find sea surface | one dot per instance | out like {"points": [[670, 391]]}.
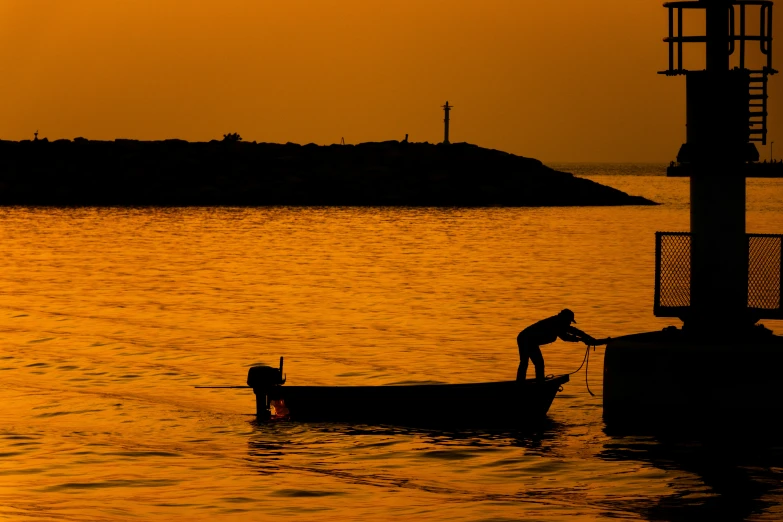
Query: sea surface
{"points": [[109, 317]]}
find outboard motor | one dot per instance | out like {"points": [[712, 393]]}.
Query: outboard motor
{"points": [[264, 379]]}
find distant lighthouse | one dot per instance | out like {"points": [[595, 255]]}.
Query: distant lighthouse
{"points": [[446, 109]]}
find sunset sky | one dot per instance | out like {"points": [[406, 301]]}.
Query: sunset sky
{"points": [[569, 80]]}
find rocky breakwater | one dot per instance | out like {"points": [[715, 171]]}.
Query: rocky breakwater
{"points": [[180, 173]]}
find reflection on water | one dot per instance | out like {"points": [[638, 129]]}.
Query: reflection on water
{"points": [[721, 479], [417, 463], [718, 479], [109, 317]]}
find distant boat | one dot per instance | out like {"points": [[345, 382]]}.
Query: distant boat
{"points": [[485, 404]]}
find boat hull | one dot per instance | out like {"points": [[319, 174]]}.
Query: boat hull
{"points": [[506, 403]]}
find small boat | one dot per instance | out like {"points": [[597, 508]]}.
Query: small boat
{"points": [[485, 404]]}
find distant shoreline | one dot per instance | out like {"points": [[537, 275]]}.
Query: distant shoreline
{"points": [[224, 173], [590, 169]]}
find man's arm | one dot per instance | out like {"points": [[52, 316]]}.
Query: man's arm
{"points": [[574, 335]]}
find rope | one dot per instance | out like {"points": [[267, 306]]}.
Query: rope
{"points": [[587, 366], [586, 361]]}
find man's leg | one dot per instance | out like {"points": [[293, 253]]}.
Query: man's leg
{"points": [[522, 370], [534, 353], [523, 357]]}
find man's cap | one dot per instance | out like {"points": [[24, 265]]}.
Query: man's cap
{"points": [[568, 314]]}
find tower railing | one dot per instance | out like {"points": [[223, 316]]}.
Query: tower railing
{"points": [[673, 274], [757, 79], [677, 38]]}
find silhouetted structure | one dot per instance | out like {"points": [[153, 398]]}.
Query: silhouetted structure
{"points": [[446, 109], [757, 169], [179, 173], [716, 278], [726, 114]]}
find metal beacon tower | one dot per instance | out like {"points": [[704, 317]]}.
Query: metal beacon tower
{"points": [[718, 279]]}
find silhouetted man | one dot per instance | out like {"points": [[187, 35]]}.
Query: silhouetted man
{"points": [[547, 331]]}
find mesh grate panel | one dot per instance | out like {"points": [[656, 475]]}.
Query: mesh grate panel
{"points": [[764, 265], [674, 274]]}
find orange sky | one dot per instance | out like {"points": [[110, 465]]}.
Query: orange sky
{"points": [[568, 80]]}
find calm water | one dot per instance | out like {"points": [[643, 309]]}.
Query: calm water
{"points": [[109, 317]]}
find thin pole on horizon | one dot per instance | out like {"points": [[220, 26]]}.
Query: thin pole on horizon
{"points": [[771, 143], [446, 109]]}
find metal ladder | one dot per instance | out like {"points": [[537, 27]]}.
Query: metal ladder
{"points": [[757, 109]]}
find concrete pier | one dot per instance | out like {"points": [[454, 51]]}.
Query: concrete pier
{"points": [[667, 379]]}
